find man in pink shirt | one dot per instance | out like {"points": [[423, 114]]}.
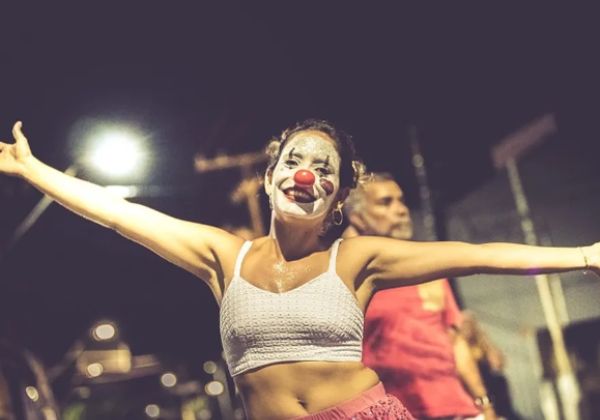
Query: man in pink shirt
{"points": [[411, 333]]}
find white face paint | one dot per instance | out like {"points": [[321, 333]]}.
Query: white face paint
{"points": [[315, 152]]}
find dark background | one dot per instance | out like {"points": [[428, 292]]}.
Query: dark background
{"points": [[209, 79]]}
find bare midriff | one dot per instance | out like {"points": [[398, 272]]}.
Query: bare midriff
{"points": [[289, 390]]}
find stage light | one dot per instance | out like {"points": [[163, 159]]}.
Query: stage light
{"points": [[32, 393], [104, 331], [114, 149], [123, 191], [210, 367], [117, 153], [152, 411], [204, 414], [49, 414], [214, 388], [94, 370], [168, 379], [83, 392]]}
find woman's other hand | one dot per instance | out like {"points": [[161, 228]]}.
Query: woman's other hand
{"points": [[14, 156]]}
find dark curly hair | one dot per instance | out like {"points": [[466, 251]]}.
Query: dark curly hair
{"points": [[351, 168]]}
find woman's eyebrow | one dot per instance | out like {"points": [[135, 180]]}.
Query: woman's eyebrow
{"points": [[293, 154], [323, 161]]}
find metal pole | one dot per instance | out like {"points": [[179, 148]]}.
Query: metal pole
{"points": [[424, 191], [568, 388], [247, 189], [223, 399], [34, 215], [250, 187]]}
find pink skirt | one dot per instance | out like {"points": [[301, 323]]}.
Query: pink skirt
{"points": [[374, 403]]}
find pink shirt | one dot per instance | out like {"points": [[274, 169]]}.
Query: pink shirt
{"points": [[411, 350]]}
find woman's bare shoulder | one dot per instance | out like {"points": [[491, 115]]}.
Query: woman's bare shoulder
{"points": [[355, 253], [361, 245], [225, 245]]}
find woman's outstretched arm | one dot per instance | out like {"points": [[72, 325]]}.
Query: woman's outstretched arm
{"points": [[191, 246], [393, 262]]}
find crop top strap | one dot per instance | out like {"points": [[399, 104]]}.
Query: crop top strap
{"points": [[333, 255], [240, 258]]}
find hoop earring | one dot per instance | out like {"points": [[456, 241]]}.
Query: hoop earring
{"points": [[338, 215]]}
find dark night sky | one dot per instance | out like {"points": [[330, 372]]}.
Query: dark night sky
{"points": [[224, 79]]}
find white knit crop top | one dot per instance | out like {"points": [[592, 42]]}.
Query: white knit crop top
{"points": [[317, 321]]}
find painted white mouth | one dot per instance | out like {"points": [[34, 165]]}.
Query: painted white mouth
{"points": [[299, 195]]}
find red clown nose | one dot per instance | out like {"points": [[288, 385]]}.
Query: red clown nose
{"points": [[304, 177]]}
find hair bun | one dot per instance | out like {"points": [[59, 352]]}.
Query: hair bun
{"points": [[272, 149], [360, 171]]}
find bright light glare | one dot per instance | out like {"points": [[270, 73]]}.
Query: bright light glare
{"points": [[152, 411], [49, 414], [117, 151], [214, 388], [168, 379], [123, 191], [83, 391], [94, 369], [204, 414], [104, 331], [210, 367], [32, 393]]}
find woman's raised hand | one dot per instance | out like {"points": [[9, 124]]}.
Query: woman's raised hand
{"points": [[13, 156]]}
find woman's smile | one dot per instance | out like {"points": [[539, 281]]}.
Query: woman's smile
{"points": [[300, 195]]}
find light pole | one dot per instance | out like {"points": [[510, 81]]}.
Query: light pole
{"points": [[247, 189], [506, 155]]}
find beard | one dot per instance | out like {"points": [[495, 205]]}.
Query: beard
{"points": [[402, 231]]}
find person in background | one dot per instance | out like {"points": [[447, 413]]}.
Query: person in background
{"points": [[412, 334], [491, 362]]}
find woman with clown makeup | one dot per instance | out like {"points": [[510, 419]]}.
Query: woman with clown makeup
{"points": [[292, 303]]}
